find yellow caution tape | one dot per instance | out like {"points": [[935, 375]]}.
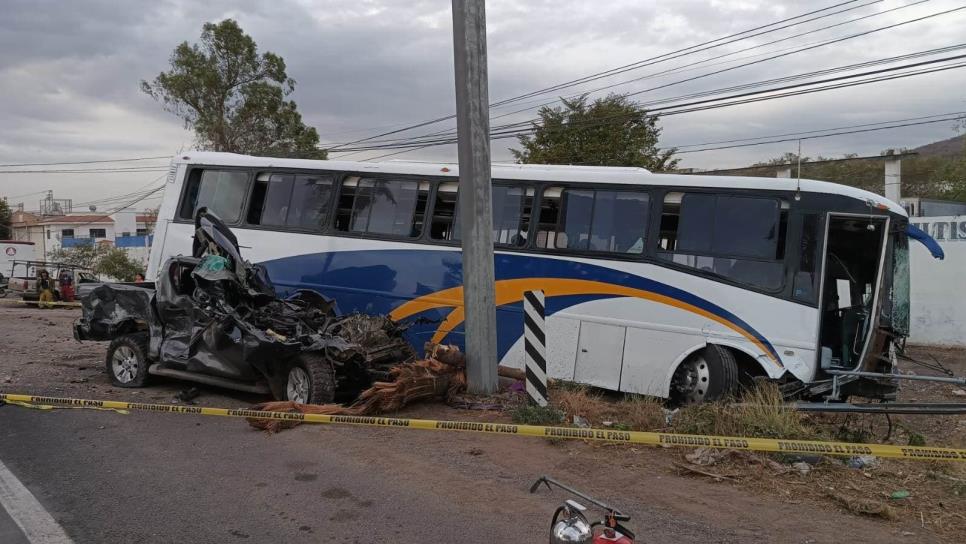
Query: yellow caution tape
{"points": [[38, 303], [33, 406], [604, 435]]}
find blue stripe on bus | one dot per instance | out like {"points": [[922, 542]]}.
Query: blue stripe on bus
{"points": [[378, 281]]}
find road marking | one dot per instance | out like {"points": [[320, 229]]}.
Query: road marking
{"points": [[35, 522]]}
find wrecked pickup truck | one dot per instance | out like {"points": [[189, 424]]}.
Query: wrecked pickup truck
{"points": [[214, 318]]}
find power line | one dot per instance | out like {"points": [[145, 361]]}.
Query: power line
{"points": [[718, 57], [794, 77], [689, 50], [814, 137], [818, 130], [807, 48], [84, 162], [712, 103], [680, 52], [128, 205]]}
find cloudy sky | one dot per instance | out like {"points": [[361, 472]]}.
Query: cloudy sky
{"points": [[69, 73]]}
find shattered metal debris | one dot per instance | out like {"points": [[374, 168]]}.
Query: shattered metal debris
{"points": [[414, 381], [188, 395], [216, 314]]}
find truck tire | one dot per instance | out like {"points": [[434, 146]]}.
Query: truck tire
{"points": [[310, 380], [127, 360], [708, 375]]}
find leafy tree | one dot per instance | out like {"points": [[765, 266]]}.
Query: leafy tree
{"points": [[6, 232], [116, 263], [611, 131], [234, 98], [103, 259], [86, 255]]}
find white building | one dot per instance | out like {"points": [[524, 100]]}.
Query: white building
{"points": [[129, 230]]}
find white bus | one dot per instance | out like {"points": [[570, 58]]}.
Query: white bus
{"points": [[679, 286]]}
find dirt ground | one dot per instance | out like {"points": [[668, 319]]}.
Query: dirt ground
{"points": [[748, 498]]}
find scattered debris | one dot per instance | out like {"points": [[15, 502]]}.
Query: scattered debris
{"points": [[866, 507], [802, 468], [187, 395], [863, 462], [708, 456], [899, 495], [581, 422], [717, 477], [420, 380], [959, 392]]}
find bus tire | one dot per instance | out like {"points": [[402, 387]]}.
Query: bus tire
{"points": [[310, 380], [708, 375], [127, 360]]}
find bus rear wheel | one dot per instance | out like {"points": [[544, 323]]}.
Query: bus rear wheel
{"points": [[708, 375]]}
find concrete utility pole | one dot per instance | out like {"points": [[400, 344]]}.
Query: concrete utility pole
{"points": [[893, 179], [475, 194]]}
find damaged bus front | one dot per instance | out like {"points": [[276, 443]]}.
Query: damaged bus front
{"points": [[863, 300]]}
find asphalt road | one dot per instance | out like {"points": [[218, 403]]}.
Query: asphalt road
{"points": [[149, 478], [105, 477]]}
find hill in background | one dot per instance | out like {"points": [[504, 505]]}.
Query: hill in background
{"points": [[951, 147]]}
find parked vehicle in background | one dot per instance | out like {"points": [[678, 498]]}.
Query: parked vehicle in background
{"points": [[23, 278], [13, 250], [681, 286]]}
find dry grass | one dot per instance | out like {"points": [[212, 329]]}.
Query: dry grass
{"points": [[630, 412], [762, 413]]}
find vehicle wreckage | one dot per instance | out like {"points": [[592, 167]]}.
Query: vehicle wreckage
{"points": [[214, 318]]}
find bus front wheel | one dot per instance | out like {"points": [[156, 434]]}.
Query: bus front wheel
{"points": [[708, 375]]}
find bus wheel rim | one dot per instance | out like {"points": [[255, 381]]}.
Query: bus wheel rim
{"points": [[697, 379]]}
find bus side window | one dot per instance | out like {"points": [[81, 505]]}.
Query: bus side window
{"points": [[380, 206], [290, 200], [444, 225], [221, 191], [591, 220], [738, 237], [511, 214], [806, 277]]}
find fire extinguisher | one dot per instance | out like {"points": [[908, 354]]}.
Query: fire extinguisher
{"points": [[570, 523]]}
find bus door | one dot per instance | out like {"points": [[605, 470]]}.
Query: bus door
{"points": [[854, 253]]}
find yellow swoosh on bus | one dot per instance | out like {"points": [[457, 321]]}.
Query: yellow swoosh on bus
{"points": [[511, 291]]}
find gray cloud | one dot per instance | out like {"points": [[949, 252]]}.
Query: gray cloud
{"points": [[69, 72]]}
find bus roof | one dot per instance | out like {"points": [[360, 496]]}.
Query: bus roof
{"points": [[541, 172]]}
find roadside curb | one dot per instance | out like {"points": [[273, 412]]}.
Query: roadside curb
{"points": [[913, 453]]}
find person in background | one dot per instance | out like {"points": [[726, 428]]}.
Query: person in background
{"points": [[139, 278], [66, 281], [45, 286]]}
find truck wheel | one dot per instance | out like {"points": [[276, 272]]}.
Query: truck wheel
{"points": [[127, 360], [311, 380], [710, 374]]}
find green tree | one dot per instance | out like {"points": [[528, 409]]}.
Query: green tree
{"points": [[611, 131], [86, 255], [6, 233], [116, 263], [102, 259], [234, 98]]}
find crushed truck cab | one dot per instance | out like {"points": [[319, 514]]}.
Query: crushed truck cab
{"points": [[214, 318]]}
